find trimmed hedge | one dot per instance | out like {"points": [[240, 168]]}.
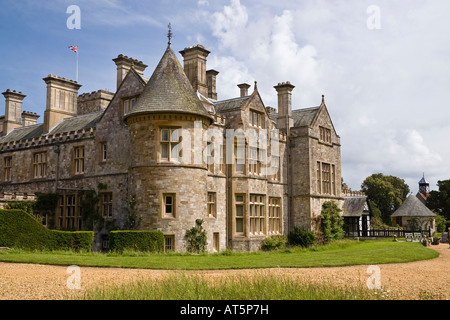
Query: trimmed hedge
{"points": [[19, 229], [146, 241]]}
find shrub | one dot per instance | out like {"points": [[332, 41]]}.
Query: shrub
{"points": [[300, 237], [196, 239], [19, 229], [145, 241], [274, 242], [329, 224]]}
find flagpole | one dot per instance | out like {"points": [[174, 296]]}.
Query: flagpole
{"points": [[76, 78]]}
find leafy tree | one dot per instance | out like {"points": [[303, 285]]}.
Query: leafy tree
{"points": [[439, 201], [387, 192]]}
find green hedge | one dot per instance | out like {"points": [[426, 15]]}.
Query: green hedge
{"points": [[146, 241], [19, 229]]}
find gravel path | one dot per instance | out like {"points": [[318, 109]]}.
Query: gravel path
{"points": [[428, 279]]}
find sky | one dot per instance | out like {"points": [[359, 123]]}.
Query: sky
{"points": [[383, 66]]}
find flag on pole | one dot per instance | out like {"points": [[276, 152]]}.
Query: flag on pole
{"points": [[75, 49]]}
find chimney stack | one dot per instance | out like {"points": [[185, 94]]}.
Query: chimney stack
{"points": [[29, 118], [13, 110], [284, 120], [244, 89], [124, 65], [62, 96], [211, 80], [195, 67]]}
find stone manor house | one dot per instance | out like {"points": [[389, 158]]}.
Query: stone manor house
{"points": [[169, 150]]}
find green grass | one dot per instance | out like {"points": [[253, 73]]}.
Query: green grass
{"points": [[339, 253], [263, 286]]}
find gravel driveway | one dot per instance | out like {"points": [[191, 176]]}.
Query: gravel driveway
{"points": [[428, 279]]}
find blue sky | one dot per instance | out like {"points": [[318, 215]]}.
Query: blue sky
{"points": [[385, 74]]}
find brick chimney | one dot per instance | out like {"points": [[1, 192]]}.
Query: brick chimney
{"points": [[124, 65], [61, 103], [195, 67], [244, 89], [13, 110], [284, 120], [211, 80]]}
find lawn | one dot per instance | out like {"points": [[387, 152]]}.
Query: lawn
{"points": [[339, 253]]}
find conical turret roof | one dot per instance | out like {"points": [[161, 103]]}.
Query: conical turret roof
{"points": [[168, 91], [412, 207]]}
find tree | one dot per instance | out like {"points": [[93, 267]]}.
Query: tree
{"points": [[387, 192], [439, 201]]}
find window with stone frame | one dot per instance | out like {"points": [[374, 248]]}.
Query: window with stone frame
{"points": [[40, 165], [257, 214], [274, 215], [128, 104], [170, 141], [211, 204], [210, 157], [106, 202], [325, 134], [169, 207], [78, 159], [103, 151], [169, 243], [216, 245], [7, 168], [326, 182], [239, 154], [276, 164], [256, 119], [239, 214], [69, 212], [253, 160], [333, 179]]}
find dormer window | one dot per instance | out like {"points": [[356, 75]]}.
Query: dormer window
{"points": [[128, 104]]}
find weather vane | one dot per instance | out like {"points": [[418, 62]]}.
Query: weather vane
{"points": [[169, 34]]}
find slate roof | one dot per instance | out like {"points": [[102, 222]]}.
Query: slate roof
{"points": [[413, 207], [72, 124], [169, 90], [231, 104], [353, 206], [304, 117]]}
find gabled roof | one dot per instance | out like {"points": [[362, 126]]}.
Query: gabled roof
{"points": [[353, 206], [169, 90], [413, 207]]}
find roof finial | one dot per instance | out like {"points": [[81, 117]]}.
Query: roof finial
{"points": [[169, 34], [256, 85], [323, 99]]}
